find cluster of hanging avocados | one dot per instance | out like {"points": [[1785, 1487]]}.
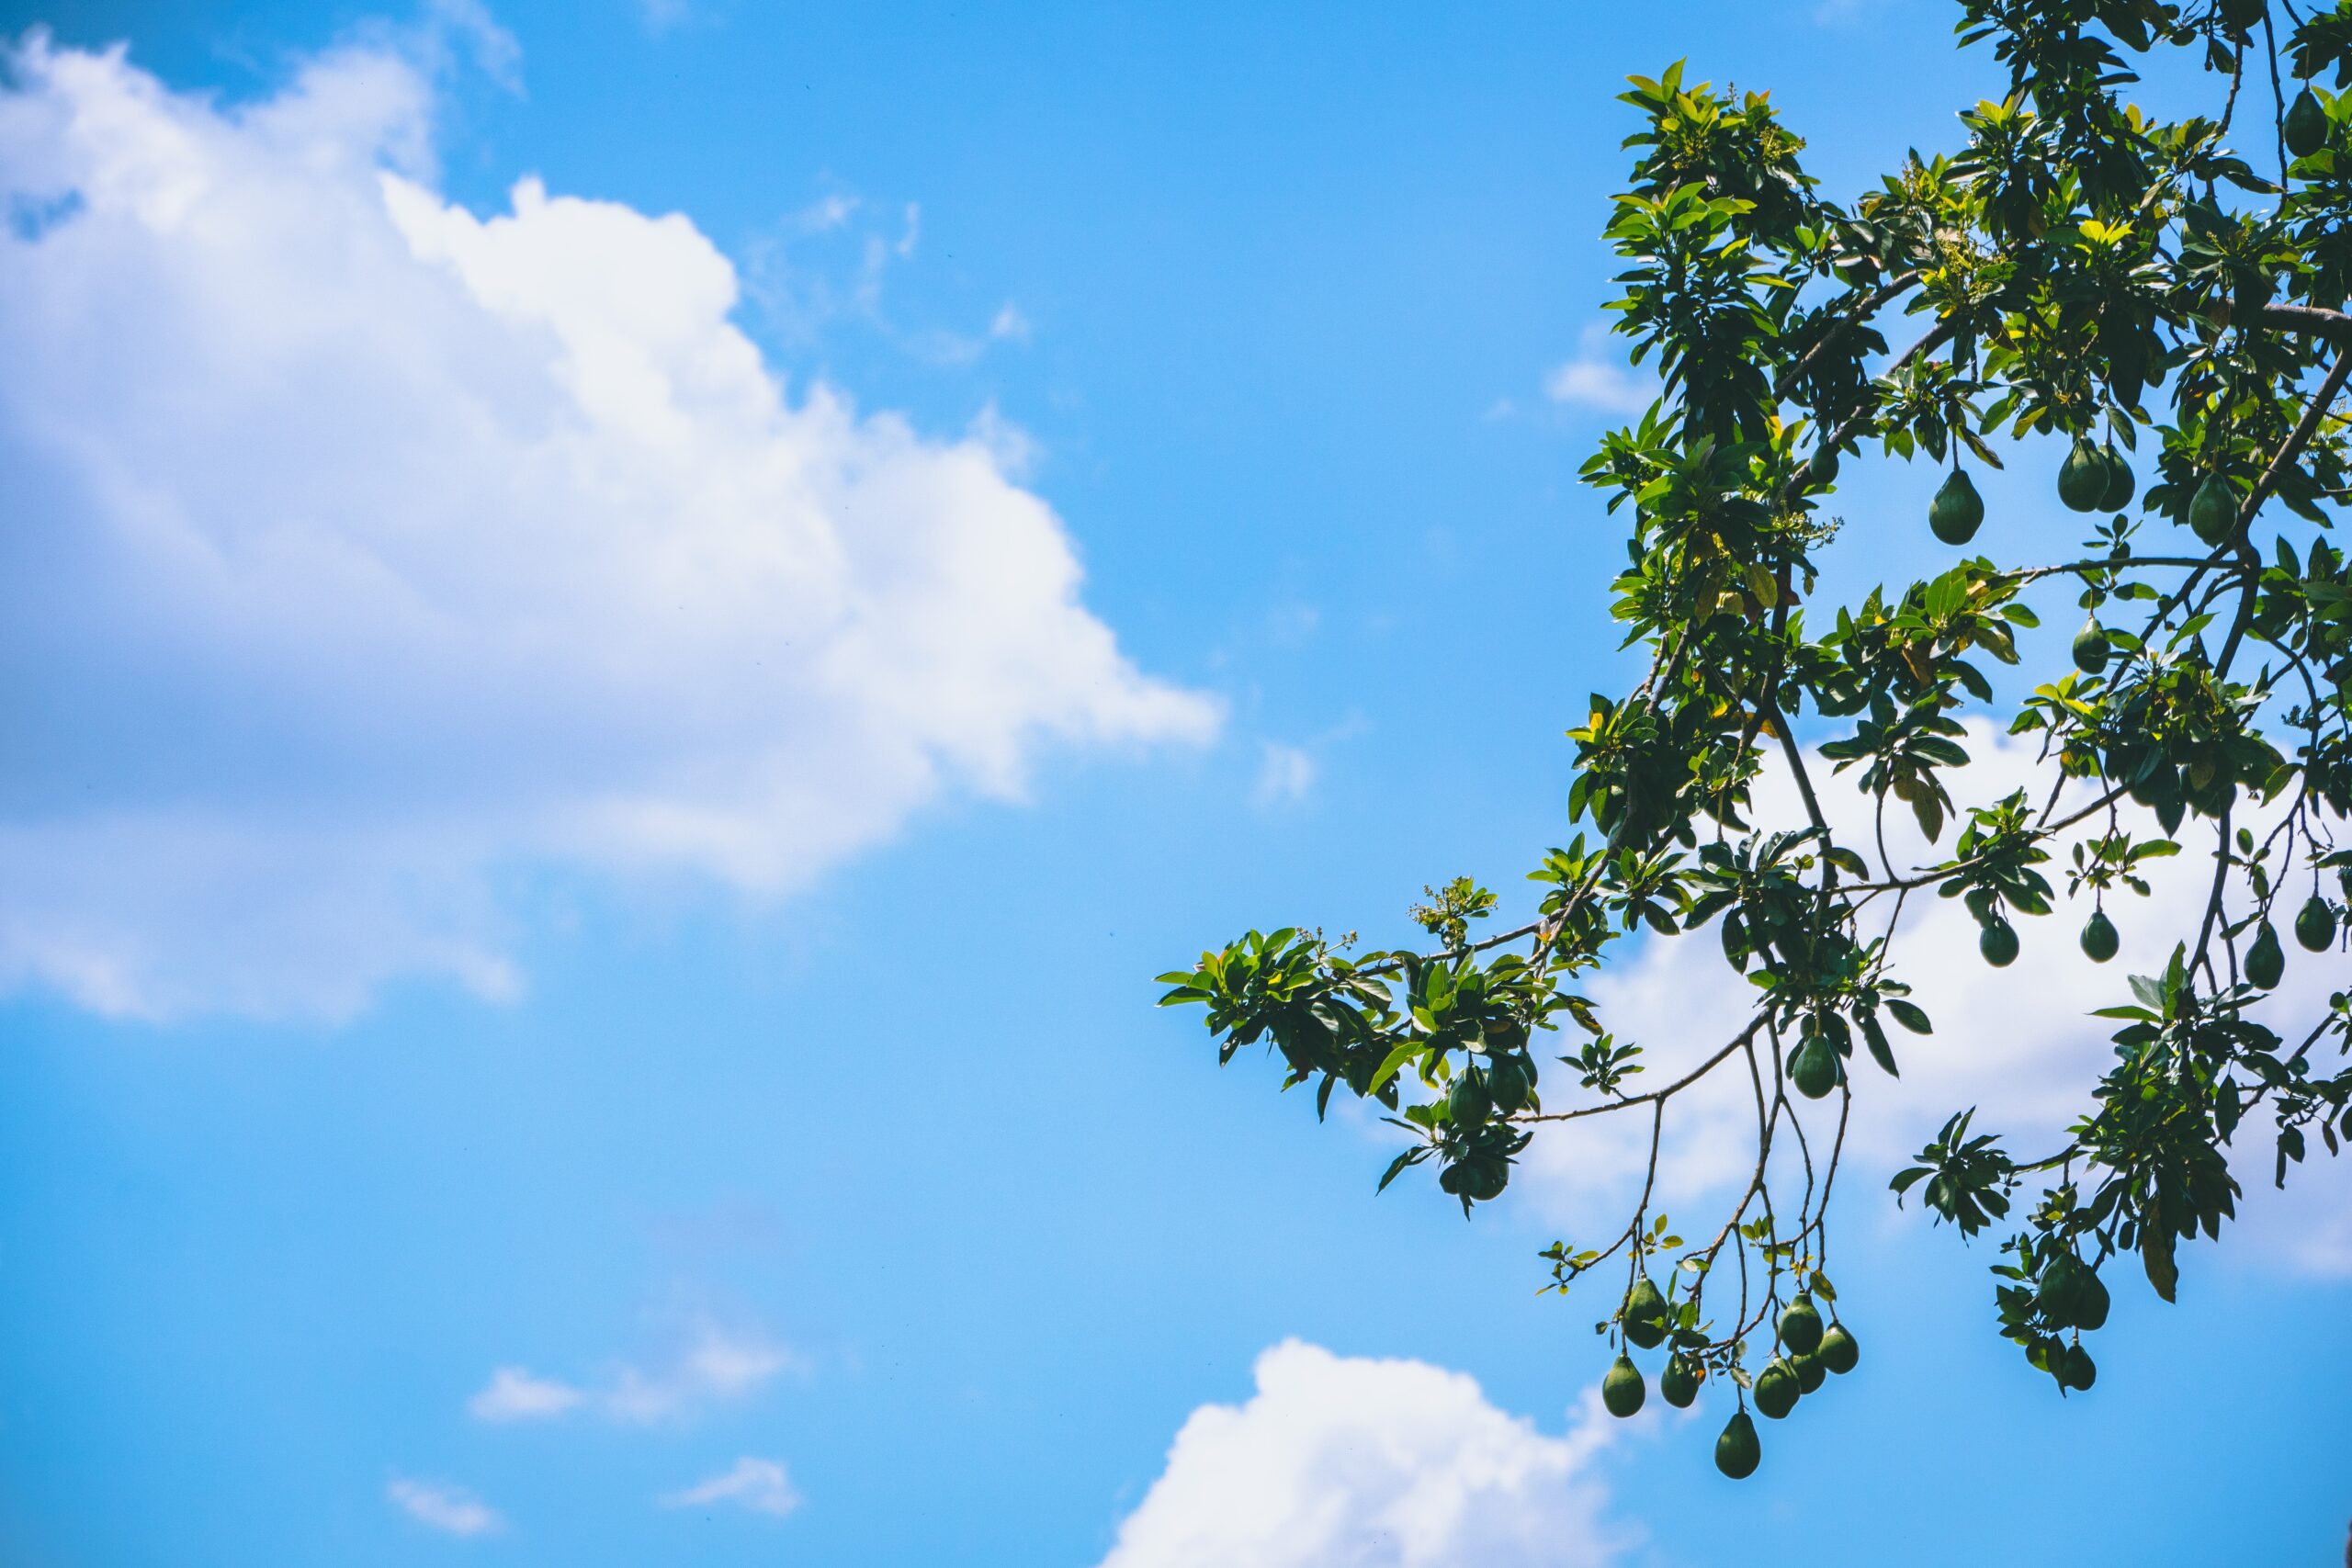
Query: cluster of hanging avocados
{"points": [[1809, 1351], [2266, 962], [2097, 478], [2070, 1301], [2093, 479]]}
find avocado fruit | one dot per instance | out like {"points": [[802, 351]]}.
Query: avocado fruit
{"points": [[1838, 1352], [1680, 1381], [2120, 481], [1623, 1390], [1957, 511], [2082, 478], [1737, 1451], [2265, 963], [2305, 129], [2059, 1290], [2092, 650], [1801, 1325], [2091, 1304], [1470, 1101], [1814, 1066], [1998, 943], [1644, 1315], [2213, 510], [2100, 941], [1777, 1388], [2315, 925]]}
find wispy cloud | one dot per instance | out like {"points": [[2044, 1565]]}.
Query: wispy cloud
{"points": [[514, 1395], [1285, 772], [714, 1366], [831, 263], [760, 1485], [1009, 325], [1598, 378], [452, 1510]]}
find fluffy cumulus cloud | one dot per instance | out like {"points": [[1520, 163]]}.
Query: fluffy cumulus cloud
{"points": [[1341, 1462], [713, 1366], [2019, 1043], [364, 551], [452, 1510], [758, 1486]]}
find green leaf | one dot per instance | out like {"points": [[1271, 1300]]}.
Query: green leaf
{"points": [[2155, 1256], [1405, 1052], [1909, 1015], [1396, 1165]]}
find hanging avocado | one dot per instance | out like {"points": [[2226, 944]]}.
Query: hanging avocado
{"points": [[2315, 925], [1776, 1388], [1680, 1381], [2100, 941], [2265, 963], [2092, 649], [1998, 943], [2059, 1290], [1737, 1451], [1838, 1352], [1645, 1317], [2120, 482], [1822, 471], [2213, 510], [1812, 1066], [2076, 1370], [1469, 1102], [2306, 126], [1801, 1325], [1623, 1390], [2091, 1304], [1486, 1180], [1509, 1079], [1958, 510], [2083, 477]]}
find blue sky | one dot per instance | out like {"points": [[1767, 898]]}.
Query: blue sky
{"points": [[577, 930]]}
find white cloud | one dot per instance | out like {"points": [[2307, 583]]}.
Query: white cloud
{"points": [[2018, 1043], [1598, 378], [1284, 773], [824, 215], [758, 1484], [370, 552], [449, 1509], [468, 26], [714, 1366], [514, 1395], [1370, 1464], [1009, 325]]}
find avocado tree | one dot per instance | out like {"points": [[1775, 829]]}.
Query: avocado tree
{"points": [[2166, 299]]}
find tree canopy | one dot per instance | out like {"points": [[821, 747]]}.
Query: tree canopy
{"points": [[2157, 308]]}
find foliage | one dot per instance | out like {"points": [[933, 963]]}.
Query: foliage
{"points": [[2164, 296]]}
